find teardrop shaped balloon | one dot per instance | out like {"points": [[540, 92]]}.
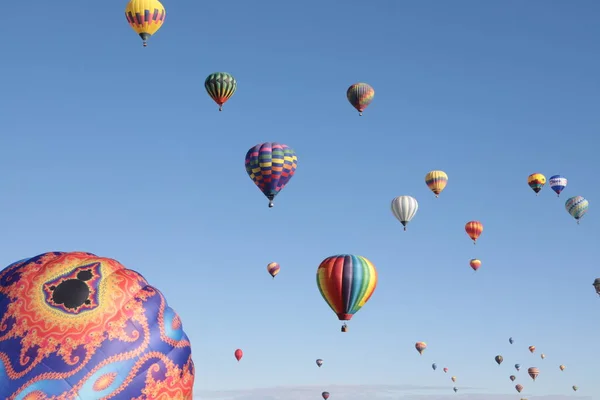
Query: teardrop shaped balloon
{"points": [[533, 372], [542, 356], [577, 206], [445, 370], [511, 340], [271, 166], [436, 181], [474, 230], [404, 209], [220, 86], [273, 269], [319, 362], [558, 184], [518, 367], [532, 349], [325, 395], [420, 346], [562, 367], [519, 387], [575, 388], [475, 264], [536, 182], [455, 389], [238, 354], [512, 378], [434, 366], [596, 285], [346, 282], [145, 17], [453, 379], [360, 95], [499, 359]]}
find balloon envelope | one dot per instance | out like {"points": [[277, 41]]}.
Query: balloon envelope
{"points": [[577, 206], [238, 354], [145, 17], [360, 95], [93, 329], [558, 183]]}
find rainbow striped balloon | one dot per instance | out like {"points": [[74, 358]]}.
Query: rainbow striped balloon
{"points": [[577, 206], [360, 95], [346, 282]]}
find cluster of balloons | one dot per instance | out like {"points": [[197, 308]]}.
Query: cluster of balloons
{"points": [[421, 346], [576, 206]]}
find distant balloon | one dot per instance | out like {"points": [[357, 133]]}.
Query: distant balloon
{"points": [[597, 285], [512, 378], [436, 181], [532, 349], [518, 367], [145, 17], [420, 346], [575, 388], [474, 230], [533, 372], [511, 340], [536, 182], [475, 264], [319, 362], [455, 389], [404, 209], [499, 359], [562, 367], [273, 269], [542, 356], [238, 354], [360, 95], [220, 86], [445, 370], [519, 387], [325, 395], [434, 366], [453, 379], [558, 184], [577, 206], [271, 166]]}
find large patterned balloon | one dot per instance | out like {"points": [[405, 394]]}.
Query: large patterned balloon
{"points": [[78, 326]]}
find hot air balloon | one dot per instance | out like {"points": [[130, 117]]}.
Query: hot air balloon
{"points": [[453, 379], [360, 95], [577, 206], [474, 229], [575, 388], [420, 346], [511, 340], [319, 362], [434, 366], [455, 389], [532, 349], [238, 354], [597, 286], [271, 166], [325, 395], [404, 209], [562, 367], [75, 325], [436, 181], [220, 86], [145, 17], [542, 356], [519, 387], [445, 370], [475, 264], [273, 269], [518, 367], [512, 378], [346, 282], [536, 182], [533, 372], [499, 359], [558, 184]]}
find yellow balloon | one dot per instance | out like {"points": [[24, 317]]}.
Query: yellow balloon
{"points": [[436, 181], [145, 17]]}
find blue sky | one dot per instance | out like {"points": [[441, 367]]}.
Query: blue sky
{"points": [[114, 149]]}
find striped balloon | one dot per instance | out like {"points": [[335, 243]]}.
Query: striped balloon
{"points": [[577, 206], [536, 182], [360, 95], [533, 372], [271, 166], [475, 264], [145, 17], [558, 184], [404, 209], [474, 230], [436, 181], [519, 387], [220, 86], [273, 269], [346, 282]]}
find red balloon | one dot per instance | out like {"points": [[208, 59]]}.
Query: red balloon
{"points": [[238, 354]]}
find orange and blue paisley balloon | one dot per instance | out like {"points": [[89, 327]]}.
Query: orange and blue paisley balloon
{"points": [[346, 282], [78, 326], [360, 95], [271, 166]]}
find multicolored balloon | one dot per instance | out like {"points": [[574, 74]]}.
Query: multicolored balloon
{"points": [[577, 206], [474, 230], [271, 166], [562, 367], [273, 269], [75, 325], [325, 395], [220, 86], [512, 378], [533, 372], [420, 346], [499, 359], [346, 282], [319, 362], [475, 264], [532, 349], [145, 17], [404, 209], [360, 95], [436, 181], [519, 387], [536, 182], [238, 354], [558, 184]]}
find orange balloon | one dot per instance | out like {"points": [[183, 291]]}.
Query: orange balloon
{"points": [[475, 264], [474, 229]]}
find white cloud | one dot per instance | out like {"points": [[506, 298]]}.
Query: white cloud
{"points": [[366, 392]]}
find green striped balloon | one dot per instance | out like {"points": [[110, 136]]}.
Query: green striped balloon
{"points": [[220, 86]]}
